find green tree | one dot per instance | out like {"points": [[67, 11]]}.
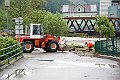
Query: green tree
{"points": [[32, 12], [54, 24], [55, 5], [2, 19], [104, 27], [21, 8], [25, 8]]}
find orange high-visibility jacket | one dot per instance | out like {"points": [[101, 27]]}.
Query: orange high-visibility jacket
{"points": [[89, 44]]}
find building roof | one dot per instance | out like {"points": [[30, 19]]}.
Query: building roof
{"points": [[72, 8]]}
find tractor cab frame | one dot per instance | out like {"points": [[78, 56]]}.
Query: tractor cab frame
{"points": [[35, 31]]}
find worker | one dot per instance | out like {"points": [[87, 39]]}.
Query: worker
{"points": [[89, 45]]}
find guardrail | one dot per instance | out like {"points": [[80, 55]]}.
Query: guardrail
{"points": [[108, 47], [10, 53]]}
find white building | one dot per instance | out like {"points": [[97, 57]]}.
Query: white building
{"points": [[105, 4], [79, 10]]}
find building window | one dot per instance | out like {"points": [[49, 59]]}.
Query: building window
{"points": [[79, 10], [115, 3], [112, 15]]}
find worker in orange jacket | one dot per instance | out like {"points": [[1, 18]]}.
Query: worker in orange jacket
{"points": [[89, 45]]}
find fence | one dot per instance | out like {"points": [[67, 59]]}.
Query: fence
{"points": [[10, 53], [108, 47]]}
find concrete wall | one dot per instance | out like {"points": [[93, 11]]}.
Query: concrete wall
{"points": [[118, 12], [78, 40], [113, 11]]}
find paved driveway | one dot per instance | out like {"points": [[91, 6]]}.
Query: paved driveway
{"points": [[61, 66]]}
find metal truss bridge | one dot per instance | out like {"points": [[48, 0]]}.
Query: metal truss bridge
{"points": [[88, 24]]}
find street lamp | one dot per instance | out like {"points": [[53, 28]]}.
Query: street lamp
{"points": [[7, 5]]}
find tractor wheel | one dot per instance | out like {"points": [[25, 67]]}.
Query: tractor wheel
{"points": [[28, 47], [52, 46], [45, 49]]}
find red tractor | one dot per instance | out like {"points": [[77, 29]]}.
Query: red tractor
{"points": [[35, 38]]}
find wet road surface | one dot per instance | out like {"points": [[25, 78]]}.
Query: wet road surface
{"points": [[61, 66]]}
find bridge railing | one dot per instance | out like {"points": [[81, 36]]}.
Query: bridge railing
{"points": [[88, 24], [10, 53]]}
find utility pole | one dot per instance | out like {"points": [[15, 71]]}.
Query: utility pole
{"points": [[20, 15], [7, 5]]}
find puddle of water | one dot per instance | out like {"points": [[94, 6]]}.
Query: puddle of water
{"points": [[83, 64], [18, 73], [114, 66], [57, 66], [49, 60], [28, 72], [100, 65], [45, 60], [4, 76]]}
